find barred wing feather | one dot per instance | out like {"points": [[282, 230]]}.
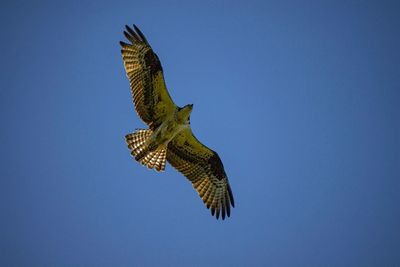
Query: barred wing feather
{"points": [[143, 68], [203, 167]]}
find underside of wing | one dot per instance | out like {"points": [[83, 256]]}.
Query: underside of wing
{"points": [[143, 68], [204, 169]]}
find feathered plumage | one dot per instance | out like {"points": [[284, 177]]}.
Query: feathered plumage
{"points": [[170, 136]]}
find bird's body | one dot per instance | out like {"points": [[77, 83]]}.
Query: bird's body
{"points": [[171, 126], [169, 136]]}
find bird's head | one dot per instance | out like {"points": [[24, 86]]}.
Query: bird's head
{"points": [[184, 113]]}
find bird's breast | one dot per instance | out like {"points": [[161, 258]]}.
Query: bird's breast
{"points": [[167, 131]]}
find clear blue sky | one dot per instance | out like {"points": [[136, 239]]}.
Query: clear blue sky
{"points": [[300, 99]]}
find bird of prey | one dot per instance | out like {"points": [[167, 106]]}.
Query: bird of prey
{"points": [[169, 136]]}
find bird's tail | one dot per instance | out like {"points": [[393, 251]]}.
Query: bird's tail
{"points": [[145, 153]]}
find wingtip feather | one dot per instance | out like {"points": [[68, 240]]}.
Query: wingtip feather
{"points": [[140, 34], [231, 196], [129, 29], [228, 205]]}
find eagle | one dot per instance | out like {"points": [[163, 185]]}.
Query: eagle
{"points": [[169, 136]]}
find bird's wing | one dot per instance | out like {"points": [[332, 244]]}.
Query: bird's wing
{"points": [[143, 68], [204, 169]]}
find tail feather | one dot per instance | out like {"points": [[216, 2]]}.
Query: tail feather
{"points": [[143, 152], [155, 159]]}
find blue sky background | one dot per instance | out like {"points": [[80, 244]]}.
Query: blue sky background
{"points": [[300, 99]]}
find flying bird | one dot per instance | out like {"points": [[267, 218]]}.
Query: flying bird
{"points": [[169, 136]]}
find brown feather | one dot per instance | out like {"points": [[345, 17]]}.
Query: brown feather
{"points": [[146, 78], [204, 169], [201, 165]]}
